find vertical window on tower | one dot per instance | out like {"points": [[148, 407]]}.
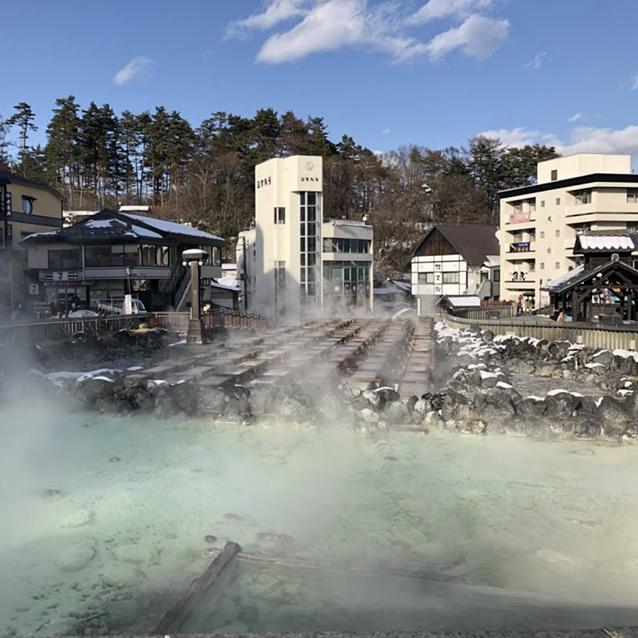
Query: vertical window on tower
{"points": [[280, 215], [308, 246]]}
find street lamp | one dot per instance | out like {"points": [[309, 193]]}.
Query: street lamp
{"points": [[195, 258]]}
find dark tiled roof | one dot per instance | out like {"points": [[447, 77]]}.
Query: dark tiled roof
{"points": [[473, 241]]}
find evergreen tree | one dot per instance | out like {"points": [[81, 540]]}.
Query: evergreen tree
{"points": [[23, 118], [62, 144]]}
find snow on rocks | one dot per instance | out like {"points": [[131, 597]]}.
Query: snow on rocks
{"points": [[77, 557]]}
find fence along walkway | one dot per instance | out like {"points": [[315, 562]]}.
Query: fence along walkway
{"points": [[177, 322], [40, 331], [618, 337]]}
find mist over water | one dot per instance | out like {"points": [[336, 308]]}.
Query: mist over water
{"points": [[97, 509]]}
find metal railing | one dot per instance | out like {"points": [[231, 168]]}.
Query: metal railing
{"points": [[40, 331]]}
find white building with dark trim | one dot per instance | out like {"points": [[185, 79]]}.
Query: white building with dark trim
{"points": [[457, 260], [540, 223], [297, 258]]}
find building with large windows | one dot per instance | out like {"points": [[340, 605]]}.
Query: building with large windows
{"points": [[113, 253], [540, 223], [297, 258]]}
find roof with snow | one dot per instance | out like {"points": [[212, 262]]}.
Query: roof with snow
{"points": [[460, 301], [579, 275], [604, 243], [111, 227]]}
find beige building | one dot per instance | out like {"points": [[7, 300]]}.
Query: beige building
{"points": [[539, 223], [26, 207], [296, 258]]}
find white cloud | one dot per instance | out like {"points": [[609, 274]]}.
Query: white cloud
{"points": [[536, 62], [328, 25], [386, 131], [133, 69], [437, 9], [633, 83], [581, 139], [478, 37], [575, 117], [275, 12]]}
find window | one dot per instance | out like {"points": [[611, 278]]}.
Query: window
{"points": [[632, 195], [542, 203], [582, 197], [280, 215], [496, 275], [451, 278], [558, 201], [124, 255], [65, 259], [542, 265], [148, 255], [97, 256], [542, 234], [309, 243], [557, 232], [27, 205], [426, 277], [557, 265], [554, 175]]}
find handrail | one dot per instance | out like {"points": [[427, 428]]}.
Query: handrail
{"points": [[612, 337]]}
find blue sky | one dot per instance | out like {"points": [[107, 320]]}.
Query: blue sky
{"points": [[387, 72]]}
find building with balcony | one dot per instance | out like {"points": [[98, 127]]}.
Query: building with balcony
{"points": [[26, 207], [456, 260], [540, 223], [297, 259], [113, 253]]}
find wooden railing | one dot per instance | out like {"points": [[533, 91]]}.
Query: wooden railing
{"points": [[493, 312], [177, 322], [616, 337]]}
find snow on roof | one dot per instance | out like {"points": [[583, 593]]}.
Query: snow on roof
{"points": [[469, 301], [170, 227], [565, 278], [226, 283], [110, 223], [492, 261], [606, 242]]}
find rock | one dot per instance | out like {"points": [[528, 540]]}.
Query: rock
{"points": [[605, 358], [488, 335], [48, 493], [122, 612], [121, 576], [114, 459], [395, 412], [372, 398], [369, 416], [614, 411], [387, 395], [422, 406], [209, 538], [434, 421], [79, 518], [531, 406], [275, 543], [76, 557], [136, 553], [561, 404]]}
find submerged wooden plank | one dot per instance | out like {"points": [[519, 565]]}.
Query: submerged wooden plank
{"points": [[174, 619]]}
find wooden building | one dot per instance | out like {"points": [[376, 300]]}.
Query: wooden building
{"points": [[604, 287]]}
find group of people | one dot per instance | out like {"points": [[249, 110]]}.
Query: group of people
{"points": [[523, 304]]}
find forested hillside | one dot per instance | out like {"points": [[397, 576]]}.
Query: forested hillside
{"points": [[203, 173]]}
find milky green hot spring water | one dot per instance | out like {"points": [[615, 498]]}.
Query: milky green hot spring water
{"points": [[105, 521]]}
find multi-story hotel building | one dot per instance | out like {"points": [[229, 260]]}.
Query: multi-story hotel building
{"points": [[26, 207], [539, 223], [296, 258]]}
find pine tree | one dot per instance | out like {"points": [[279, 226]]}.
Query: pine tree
{"points": [[62, 145], [23, 118]]}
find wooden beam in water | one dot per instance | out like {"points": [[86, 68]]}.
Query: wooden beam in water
{"points": [[173, 620]]}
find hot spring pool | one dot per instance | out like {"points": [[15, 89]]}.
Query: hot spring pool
{"points": [[103, 522]]}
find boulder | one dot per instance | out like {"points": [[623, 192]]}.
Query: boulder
{"points": [[395, 412], [604, 357], [369, 416], [561, 404], [531, 406], [76, 557]]}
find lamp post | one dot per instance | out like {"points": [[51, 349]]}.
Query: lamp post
{"points": [[195, 258]]}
